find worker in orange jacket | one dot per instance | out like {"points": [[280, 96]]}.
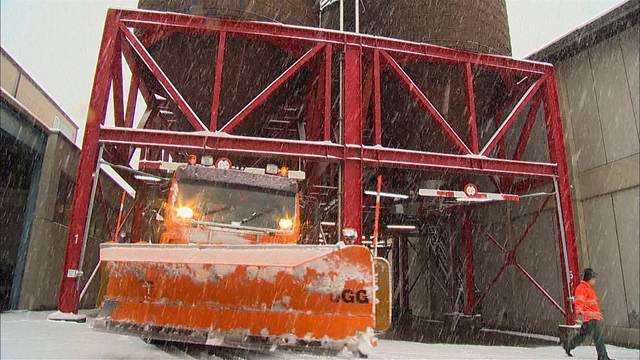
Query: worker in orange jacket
{"points": [[587, 309]]}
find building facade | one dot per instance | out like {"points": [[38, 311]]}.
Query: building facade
{"points": [[598, 82], [38, 169]]}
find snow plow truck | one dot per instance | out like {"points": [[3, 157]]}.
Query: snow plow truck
{"points": [[229, 271]]}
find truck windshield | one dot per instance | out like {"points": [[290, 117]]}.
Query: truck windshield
{"points": [[236, 204]]}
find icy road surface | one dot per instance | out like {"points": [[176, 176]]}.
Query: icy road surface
{"points": [[28, 335]]}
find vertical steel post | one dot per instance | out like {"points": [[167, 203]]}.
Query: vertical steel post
{"points": [[566, 230], [68, 294], [327, 93], [451, 273], [469, 276], [395, 281], [404, 274], [352, 169], [376, 220], [471, 108], [217, 82], [92, 196], [377, 99]]}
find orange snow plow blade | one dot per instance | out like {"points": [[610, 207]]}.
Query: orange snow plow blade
{"points": [[254, 296]]}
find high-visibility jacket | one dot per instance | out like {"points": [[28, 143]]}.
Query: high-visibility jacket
{"points": [[587, 302]]}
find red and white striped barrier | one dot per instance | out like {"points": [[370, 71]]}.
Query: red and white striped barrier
{"points": [[469, 196]]}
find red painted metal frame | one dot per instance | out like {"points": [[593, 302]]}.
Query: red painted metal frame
{"points": [[354, 51], [511, 259], [217, 81], [426, 104], [269, 90], [471, 107]]}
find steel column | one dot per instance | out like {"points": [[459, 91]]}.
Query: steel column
{"points": [[469, 277], [132, 97], [327, 93], [377, 100], [352, 134], [471, 108], [217, 82], [405, 304], [68, 294], [566, 228]]}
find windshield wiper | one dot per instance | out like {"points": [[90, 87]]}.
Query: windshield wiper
{"points": [[216, 211], [256, 215]]}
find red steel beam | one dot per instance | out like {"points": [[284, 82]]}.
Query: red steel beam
{"points": [[327, 93], [68, 294], [163, 79], [310, 150], [352, 134], [377, 100], [150, 37], [367, 91], [513, 115], [568, 247], [496, 242], [471, 107], [527, 128], [531, 223], [540, 287], [203, 25], [426, 104], [132, 97], [116, 84], [117, 93], [511, 259], [217, 82], [270, 89], [127, 51]]}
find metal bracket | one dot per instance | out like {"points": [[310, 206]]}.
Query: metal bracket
{"points": [[74, 273]]}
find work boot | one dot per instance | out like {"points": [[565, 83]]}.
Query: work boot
{"points": [[566, 349]]}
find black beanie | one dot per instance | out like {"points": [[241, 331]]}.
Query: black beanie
{"points": [[588, 274]]}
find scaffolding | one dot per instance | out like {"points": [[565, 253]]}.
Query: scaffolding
{"points": [[364, 59]]}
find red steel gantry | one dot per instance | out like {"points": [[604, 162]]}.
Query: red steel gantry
{"points": [[131, 33]]}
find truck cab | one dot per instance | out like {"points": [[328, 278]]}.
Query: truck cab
{"points": [[210, 205]]}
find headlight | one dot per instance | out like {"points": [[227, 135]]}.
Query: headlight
{"points": [[350, 234], [285, 223], [184, 212]]}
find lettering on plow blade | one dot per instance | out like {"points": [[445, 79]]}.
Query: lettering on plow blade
{"points": [[349, 296]]}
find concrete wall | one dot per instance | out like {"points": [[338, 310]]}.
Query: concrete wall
{"points": [[43, 270], [46, 246], [599, 92], [48, 234]]}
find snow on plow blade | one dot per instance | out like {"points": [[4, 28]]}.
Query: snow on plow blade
{"points": [[242, 296]]}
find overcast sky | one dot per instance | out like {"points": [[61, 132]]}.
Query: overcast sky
{"points": [[57, 41]]}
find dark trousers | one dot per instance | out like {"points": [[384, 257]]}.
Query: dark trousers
{"points": [[593, 328]]}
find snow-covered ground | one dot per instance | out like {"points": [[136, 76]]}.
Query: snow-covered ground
{"points": [[29, 335]]}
